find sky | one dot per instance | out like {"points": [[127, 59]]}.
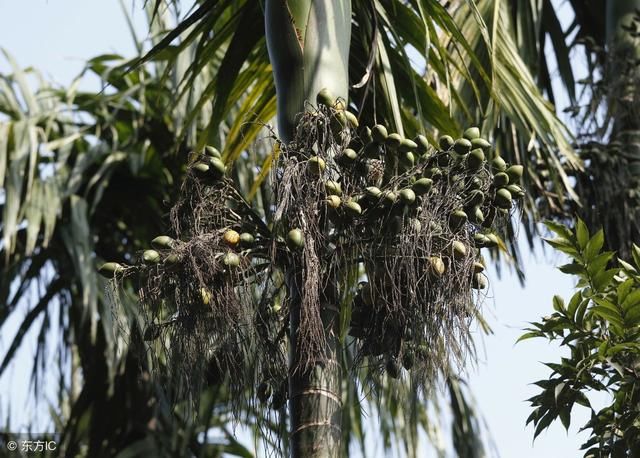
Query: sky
{"points": [[57, 36]]}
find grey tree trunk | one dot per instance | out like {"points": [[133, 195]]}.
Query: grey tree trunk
{"points": [[626, 127], [623, 71], [314, 395], [308, 43], [615, 188], [620, 13]]}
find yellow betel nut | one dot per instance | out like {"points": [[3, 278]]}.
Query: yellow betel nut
{"points": [[231, 237], [205, 295]]}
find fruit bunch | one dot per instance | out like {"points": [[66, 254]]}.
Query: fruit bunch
{"points": [[408, 215], [197, 287], [412, 215]]}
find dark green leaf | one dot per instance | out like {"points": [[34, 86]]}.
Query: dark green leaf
{"points": [[603, 279], [544, 422], [561, 230], [594, 246], [558, 304], [563, 245], [599, 263], [582, 234], [573, 304], [565, 417], [530, 335], [574, 269]]}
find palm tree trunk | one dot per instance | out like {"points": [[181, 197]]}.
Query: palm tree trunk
{"points": [[308, 43], [314, 395], [624, 51], [616, 187], [619, 14]]}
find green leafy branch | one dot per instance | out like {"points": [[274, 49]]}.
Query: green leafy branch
{"points": [[600, 327]]}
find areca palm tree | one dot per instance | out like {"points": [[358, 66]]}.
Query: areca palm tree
{"points": [[214, 68], [604, 36]]}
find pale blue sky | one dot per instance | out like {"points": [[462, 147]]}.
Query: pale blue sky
{"points": [[56, 36]]}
